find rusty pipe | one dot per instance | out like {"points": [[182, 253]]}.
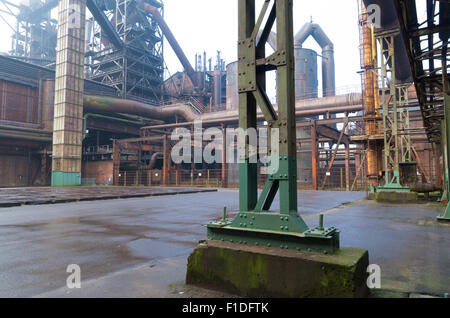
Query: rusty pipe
{"points": [[154, 158], [328, 65], [424, 187], [102, 104]]}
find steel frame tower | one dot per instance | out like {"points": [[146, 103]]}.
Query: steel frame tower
{"points": [[256, 224], [391, 97], [136, 68], [34, 32]]}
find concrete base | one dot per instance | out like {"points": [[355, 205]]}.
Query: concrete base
{"points": [[251, 271], [396, 197]]}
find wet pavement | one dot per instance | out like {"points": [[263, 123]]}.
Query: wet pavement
{"points": [[10, 197], [139, 247]]}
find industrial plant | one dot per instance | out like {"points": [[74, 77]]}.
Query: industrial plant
{"points": [[93, 116]]}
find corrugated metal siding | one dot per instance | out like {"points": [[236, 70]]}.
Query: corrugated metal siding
{"points": [[18, 103]]}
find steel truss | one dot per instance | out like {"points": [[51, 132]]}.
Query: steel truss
{"points": [[34, 31], [392, 96], [135, 69], [256, 224], [427, 44]]}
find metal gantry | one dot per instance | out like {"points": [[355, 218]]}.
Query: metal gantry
{"points": [[134, 64], [255, 223], [34, 30], [390, 99], [427, 44], [404, 123]]}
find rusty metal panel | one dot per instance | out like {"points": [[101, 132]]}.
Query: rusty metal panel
{"points": [[18, 103]]}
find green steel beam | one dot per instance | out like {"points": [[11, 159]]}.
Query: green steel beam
{"points": [[445, 149], [256, 223], [391, 98]]}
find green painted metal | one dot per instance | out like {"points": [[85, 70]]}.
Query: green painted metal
{"points": [[393, 95], [404, 122], [446, 148], [64, 179], [256, 224], [444, 154]]}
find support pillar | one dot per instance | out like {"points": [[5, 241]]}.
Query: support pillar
{"points": [[315, 156], [69, 84], [445, 151], [224, 158], [275, 252], [165, 161], [347, 166]]}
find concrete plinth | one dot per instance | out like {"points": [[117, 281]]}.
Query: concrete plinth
{"points": [[396, 197], [251, 271]]}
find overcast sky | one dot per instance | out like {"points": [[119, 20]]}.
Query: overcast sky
{"points": [[211, 25]]}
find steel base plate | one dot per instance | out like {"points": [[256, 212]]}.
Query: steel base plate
{"points": [[324, 241]]}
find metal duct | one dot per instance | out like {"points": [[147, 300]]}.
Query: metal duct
{"points": [[328, 66], [155, 157], [172, 40], [101, 104], [389, 20]]}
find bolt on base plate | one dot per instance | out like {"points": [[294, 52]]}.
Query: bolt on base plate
{"points": [[275, 230]]}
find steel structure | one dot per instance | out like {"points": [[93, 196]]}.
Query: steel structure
{"points": [[34, 31], [134, 65], [390, 105], [256, 224], [404, 123], [427, 47]]}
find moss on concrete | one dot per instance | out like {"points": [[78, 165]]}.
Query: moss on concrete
{"points": [[264, 272], [396, 197]]}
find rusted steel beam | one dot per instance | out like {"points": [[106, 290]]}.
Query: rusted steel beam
{"points": [[359, 170], [315, 156], [333, 158], [332, 133], [347, 166], [165, 161], [116, 162]]}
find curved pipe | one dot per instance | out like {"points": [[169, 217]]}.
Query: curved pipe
{"points": [[103, 104], [154, 158], [328, 65]]}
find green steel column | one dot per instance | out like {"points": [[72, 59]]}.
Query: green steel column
{"points": [[286, 110], [390, 113], [444, 159], [256, 224], [248, 171], [445, 151]]}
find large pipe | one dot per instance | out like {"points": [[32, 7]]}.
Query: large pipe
{"points": [[172, 40], [8, 135], [101, 104], [155, 157], [389, 20], [328, 66]]}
